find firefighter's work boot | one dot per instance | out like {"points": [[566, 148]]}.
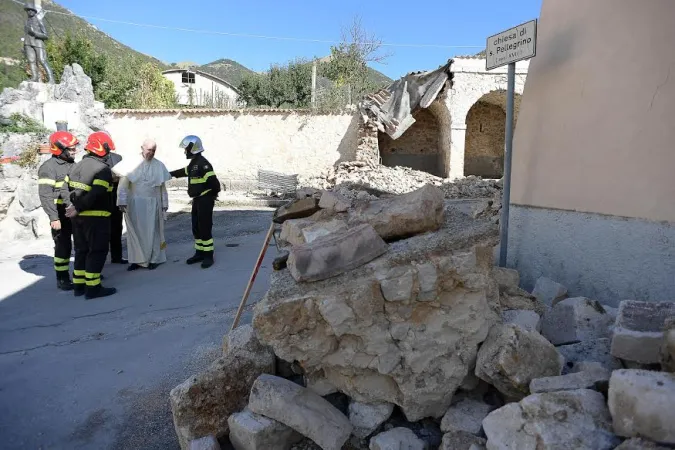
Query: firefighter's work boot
{"points": [[197, 257], [207, 260], [79, 290], [64, 284], [99, 291]]}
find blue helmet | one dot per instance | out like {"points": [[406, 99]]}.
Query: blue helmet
{"points": [[192, 145]]}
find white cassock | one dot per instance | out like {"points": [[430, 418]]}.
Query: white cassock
{"points": [[142, 189]]}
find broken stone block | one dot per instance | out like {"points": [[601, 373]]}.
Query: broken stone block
{"points": [[251, 431], [641, 403], [397, 439], [320, 229], [244, 339], [668, 346], [335, 254], [300, 409], [511, 357], [638, 331], [576, 320], [513, 297], [427, 279], [461, 440], [403, 215], [296, 209], [594, 378], [318, 383], [506, 277], [291, 231], [593, 350], [307, 192], [202, 404], [397, 284], [334, 201], [565, 420], [366, 418], [466, 415], [205, 443], [548, 291], [527, 319], [639, 444]]}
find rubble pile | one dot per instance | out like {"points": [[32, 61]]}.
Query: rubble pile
{"points": [[388, 327]]}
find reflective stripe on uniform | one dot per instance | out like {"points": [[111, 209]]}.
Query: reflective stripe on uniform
{"points": [[61, 264], [58, 184], [186, 171], [78, 276], [205, 246], [202, 179], [94, 213], [58, 201], [47, 181], [205, 192], [78, 185], [93, 279], [103, 183]]}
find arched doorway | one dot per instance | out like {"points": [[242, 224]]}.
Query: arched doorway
{"points": [[485, 128], [418, 148]]}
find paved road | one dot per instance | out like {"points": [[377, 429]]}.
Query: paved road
{"points": [[78, 374]]}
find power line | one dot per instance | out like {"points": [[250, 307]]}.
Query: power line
{"points": [[254, 36]]}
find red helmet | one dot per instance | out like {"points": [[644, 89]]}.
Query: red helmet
{"points": [[99, 143], [61, 141]]}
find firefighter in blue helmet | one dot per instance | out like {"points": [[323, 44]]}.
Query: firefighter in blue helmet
{"points": [[203, 188]]}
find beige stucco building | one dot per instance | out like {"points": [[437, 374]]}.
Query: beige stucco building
{"points": [[593, 193], [197, 88]]}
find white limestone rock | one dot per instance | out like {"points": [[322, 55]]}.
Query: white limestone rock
{"points": [[527, 319], [511, 357], [638, 331], [396, 439], [461, 440], [466, 415], [641, 403], [367, 417], [593, 378], [251, 431], [594, 350], [549, 292], [205, 443], [576, 320], [301, 410], [566, 420]]}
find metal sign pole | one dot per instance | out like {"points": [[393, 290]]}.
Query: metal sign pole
{"points": [[508, 153]]}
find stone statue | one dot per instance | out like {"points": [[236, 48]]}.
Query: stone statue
{"points": [[34, 44]]}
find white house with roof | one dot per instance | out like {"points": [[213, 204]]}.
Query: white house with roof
{"points": [[197, 88]]}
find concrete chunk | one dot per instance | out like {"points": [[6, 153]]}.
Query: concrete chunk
{"points": [[461, 440], [320, 229], [593, 350], [506, 277], [592, 379], [403, 215], [396, 439], [251, 431], [300, 409], [548, 291], [466, 415], [335, 254], [205, 443], [566, 420], [511, 357], [296, 209], [641, 403], [336, 202], [527, 319], [638, 331], [576, 320], [639, 444], [367, 417]]}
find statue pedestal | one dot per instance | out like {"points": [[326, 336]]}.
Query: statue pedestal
{"points": [[62, 111]]}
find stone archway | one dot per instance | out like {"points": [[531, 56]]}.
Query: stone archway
{"points": [[484, 140], [419, 148]]}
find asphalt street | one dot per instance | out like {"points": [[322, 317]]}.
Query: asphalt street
{"points": [[77, 374]]}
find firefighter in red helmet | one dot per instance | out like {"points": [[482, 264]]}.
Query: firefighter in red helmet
{"points": [[87, 199], [51, 175]]}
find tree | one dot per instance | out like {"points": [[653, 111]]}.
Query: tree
{"points": [[152, 90], [282, 86], [76, 49]]}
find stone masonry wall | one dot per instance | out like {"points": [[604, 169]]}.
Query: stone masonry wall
{"points": [[239, 143], [484, 149]]}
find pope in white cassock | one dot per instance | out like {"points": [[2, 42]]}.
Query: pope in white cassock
{"points": [[142, 196]]}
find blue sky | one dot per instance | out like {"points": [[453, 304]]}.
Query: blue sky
{"points": [[439, 22]]}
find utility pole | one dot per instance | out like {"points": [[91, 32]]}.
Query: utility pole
{"points": [[314, 84]]}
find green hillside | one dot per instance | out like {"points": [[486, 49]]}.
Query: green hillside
{"points": [[228, 70], [12, 19]]}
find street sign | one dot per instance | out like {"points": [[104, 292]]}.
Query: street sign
{"points": [[514, 44]]}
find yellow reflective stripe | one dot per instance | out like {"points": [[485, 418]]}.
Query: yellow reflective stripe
{"points": [[93, 279], [92, 275], [78, 280], [204, 245], [61, 268], [61, 260], [186, 172], [58, 201], [78, 185], [202, 179], [48, 181], [79, 273], [205, 192], [110, 189], [103, 183], [66, 179], [58, 184], [95, 214], [209, 242], [94, 282]]}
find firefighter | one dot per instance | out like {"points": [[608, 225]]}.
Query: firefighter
{"points": [[50, 179], [87, 199], [203, 188], [116, 216]]}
